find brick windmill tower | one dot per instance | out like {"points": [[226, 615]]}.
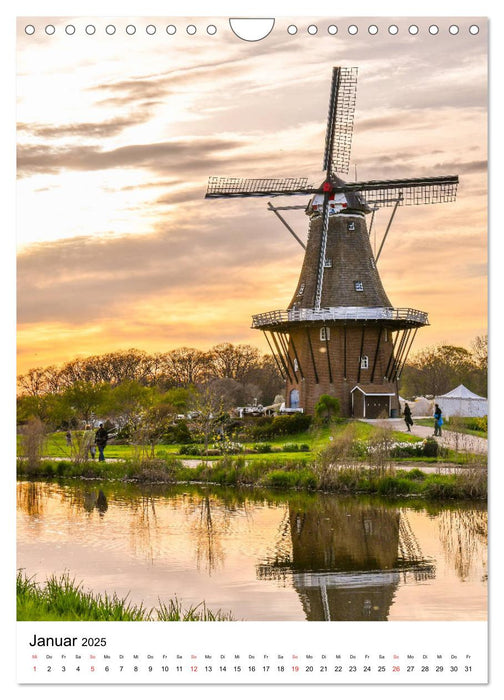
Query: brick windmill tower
{"points": [[340, 335]]}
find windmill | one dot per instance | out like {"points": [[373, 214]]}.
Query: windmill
{"points": [[340, 335]]}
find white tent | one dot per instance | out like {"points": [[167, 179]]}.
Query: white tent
{"points": [[420, 407], [462, 402]]}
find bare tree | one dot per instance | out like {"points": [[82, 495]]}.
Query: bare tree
{"points": [[227, 361]]}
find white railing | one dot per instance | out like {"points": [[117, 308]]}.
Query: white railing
{"points": [[340, 313]]}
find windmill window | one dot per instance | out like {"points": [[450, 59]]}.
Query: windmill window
{"points": [[296, 366], [364, 363], [325, 333], [301, 289], [351, 225], [359, 287], [328, 262]]}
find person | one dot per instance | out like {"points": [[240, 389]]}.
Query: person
{"points": [[101, 438], [438, 420], [89, 444], [68, 438], [407, 417]]}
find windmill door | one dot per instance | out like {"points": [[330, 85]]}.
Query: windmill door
{"points": [[294, 399], [377, 406]]}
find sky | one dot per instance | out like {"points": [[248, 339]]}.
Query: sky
{"points": [[118, 134]]}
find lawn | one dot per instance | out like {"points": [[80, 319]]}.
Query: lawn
{"points": [[316, 439]]}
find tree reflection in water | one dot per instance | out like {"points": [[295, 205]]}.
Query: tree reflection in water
{"points": [[464, 534], [210, 522], [31, 498]]}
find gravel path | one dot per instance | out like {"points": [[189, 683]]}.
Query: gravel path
{"points": [[456, 441]]}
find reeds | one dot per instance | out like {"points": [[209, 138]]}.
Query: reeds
{"points": [[62, 599]]}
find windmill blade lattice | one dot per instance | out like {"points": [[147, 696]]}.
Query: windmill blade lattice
{"points": [[340, 120], [262, 187], [386, 193]]}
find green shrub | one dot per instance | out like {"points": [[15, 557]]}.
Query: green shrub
{"points": [[304, 447], [262, 447], [307, 479], [290, 447], [414, 475], [279, 478], [192, 450], [439, 486], [430, 447], [392, 485], [177, 433], [281, 425]]}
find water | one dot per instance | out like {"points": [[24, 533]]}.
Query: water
{"points": [[258, 554]]}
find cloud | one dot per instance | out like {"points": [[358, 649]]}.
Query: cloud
{"points": [[192, 156], [103, 129]]}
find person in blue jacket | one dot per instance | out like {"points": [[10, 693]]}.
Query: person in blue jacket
{"points": [[438, 421]]}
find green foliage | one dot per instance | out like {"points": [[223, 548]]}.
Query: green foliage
{"points": [[63, 599], [176, 433], [327, 408], [393, 486], [262, 447], [431, 447], [414, 475], [272, 426]]}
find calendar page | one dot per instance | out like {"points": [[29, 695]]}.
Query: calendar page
{"points": [[252, 399]]}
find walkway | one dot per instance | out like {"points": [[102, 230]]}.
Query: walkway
{"points": [[456, 441]]}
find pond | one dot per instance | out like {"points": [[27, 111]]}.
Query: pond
{"points": [[259, 554]]}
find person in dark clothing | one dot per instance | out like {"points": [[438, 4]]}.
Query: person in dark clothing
{"points": [[407, 417], [438, 421], [101, 439]]}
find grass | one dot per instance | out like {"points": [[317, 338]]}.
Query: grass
{"points": [[349, 457], [317, 440], [323, 475], [62, 599]]}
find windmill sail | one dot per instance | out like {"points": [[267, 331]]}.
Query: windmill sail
{"points": [[340, 119], [261, 187]]}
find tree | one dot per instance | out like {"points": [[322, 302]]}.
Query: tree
{"points": [[480, 351], [152, 425], [84, 399], [208, 414], [184, 367], [228, 361], [436, 370], [33, 382], [126, 401], [326, 409]]}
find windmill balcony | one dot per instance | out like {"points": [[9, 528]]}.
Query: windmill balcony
{"points": [[401, 318]]}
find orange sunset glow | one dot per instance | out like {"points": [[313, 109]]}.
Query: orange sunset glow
{"points": [[118, 134]]}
